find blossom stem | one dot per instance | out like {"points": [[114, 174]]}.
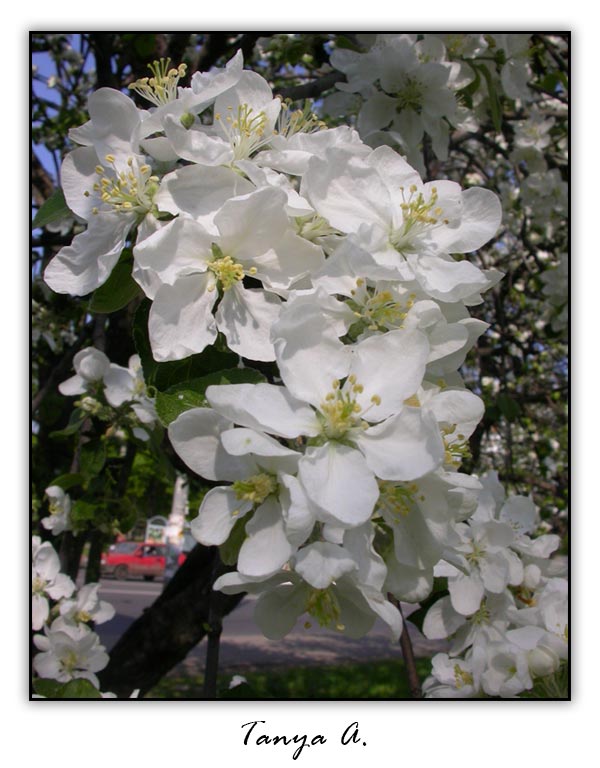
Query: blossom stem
{"points": [[408, 655]]}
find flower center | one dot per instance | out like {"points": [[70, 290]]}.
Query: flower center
{"points": [[38, 585], [482, 615], [139, 388], [418, 216], [397, 499], [245, 131], [312, 226], [130, 191], [456, 450], [323, 606], [340, 412], [476, 553], [83, 616], [411, 95], [378, 310], [226, 270], [462, 677], [255, 488], [295, 121], [162, 87], [69, 661]]}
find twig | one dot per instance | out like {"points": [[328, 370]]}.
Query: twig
{"points": [[412, 675], [59, 370]]}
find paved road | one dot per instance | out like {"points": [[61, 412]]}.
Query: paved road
{"points": [[242, 644]]}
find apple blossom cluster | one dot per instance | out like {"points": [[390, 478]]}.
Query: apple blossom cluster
{"points": [[336, 483], [506, 611], [110, 392], [68, 649], [404, 86]]}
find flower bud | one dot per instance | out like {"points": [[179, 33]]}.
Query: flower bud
{"points": [[542, 662]]}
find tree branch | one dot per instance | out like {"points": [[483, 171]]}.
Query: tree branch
{"points": [[60, 369], [42, 185], [314, 88]]}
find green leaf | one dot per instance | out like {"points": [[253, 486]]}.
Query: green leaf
{"points": [[74, 689], [92, 457], [118, 290], [69, 480], [230, 550], [78, 689], [145, 45], [509, 407], [165, 375], [345, 43], [191, 394], [469, 90], [76, 419], [46, 688], [495, 105], [169, 406], [83, 512], [54, 209]]}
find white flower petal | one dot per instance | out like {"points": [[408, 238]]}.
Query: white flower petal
{"points": [[264, 407], [298, 513], [337, 479], [182, 247], [442, 620], [480, 219], [252, 224], [245, 316], [78, 176], [408, 583], [218, 513], [200, 191], [76, 385], [196, 144], [322, 563], [39, 611], [277, 610], [445, 279], [83, 266], [181, 322], [114, 117], [405, 446], [118, 385], [293, 258], [390, 367], [267, 547], [195, 436], [241, 440], [466, 593], [310, 355], [347, 191]]}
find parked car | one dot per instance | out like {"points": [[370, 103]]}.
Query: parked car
{"points": [[134, 558]]}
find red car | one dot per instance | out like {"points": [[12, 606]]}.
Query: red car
{"points": [[132, 558]]}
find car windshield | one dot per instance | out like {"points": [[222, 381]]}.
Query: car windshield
{"points": [[124, 547]]}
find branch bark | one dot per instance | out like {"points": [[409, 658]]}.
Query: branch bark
{"points": [[42, 185], [314, 88], [408, 655]]}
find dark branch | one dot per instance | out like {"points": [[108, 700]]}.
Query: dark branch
{"points": [[314, 88]]}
